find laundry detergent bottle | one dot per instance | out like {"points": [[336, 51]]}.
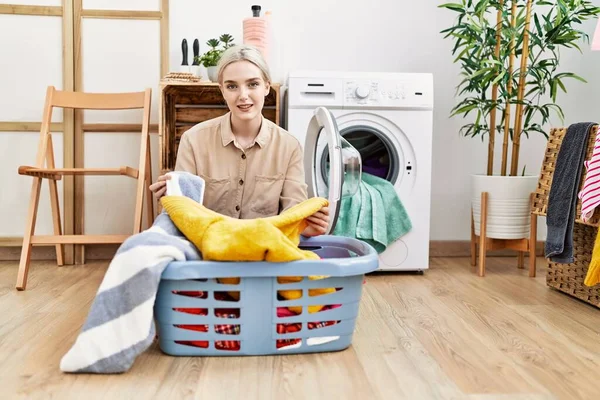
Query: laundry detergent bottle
{"points": [[256, 31]]}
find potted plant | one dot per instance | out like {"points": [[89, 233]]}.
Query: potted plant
{"points": [[211, 58], [509, 52]]}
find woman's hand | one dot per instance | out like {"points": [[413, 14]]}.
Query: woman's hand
{"points": [[317, 223], [160, 186]]}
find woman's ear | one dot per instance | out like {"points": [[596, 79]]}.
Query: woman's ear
{"points": [[268, 87]]}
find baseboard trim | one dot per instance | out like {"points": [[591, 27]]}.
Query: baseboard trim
{"points": [[462, 248], [437, 248], [92, 252]]}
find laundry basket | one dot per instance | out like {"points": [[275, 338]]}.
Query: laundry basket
{"points": [[569, 278], [192, 319]]}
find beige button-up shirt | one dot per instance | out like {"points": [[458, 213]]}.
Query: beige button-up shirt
{"points": [[259, 181]]}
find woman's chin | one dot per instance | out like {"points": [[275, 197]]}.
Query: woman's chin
{"points": [[246, 115]]}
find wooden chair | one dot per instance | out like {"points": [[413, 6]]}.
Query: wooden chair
{"points": [[45, 156]]}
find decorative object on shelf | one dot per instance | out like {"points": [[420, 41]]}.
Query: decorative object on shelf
{"points": [[211, 58], [196, 52], [195, 67], [486, 49], [184, 52], [256, 30], [182, 76]]}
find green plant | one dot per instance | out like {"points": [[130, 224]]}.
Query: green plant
{"points": [[212, 56], [490, 37]]}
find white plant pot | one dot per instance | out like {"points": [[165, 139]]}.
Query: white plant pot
{"points": [[196, 70], [212, 73], [508, 205]]}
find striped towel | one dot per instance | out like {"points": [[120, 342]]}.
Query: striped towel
{"points": [[120, 324], [590, 194]]}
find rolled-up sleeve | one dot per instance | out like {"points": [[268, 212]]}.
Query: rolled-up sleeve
{"points": [[294, 189], [186, 160]]}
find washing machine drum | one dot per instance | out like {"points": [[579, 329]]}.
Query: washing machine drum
{"points": [[378, 155]]}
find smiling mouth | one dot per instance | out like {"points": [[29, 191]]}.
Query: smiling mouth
{"points": [[244, 107]]}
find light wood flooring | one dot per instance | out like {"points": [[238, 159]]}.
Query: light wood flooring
{"points": [[446, 334]]}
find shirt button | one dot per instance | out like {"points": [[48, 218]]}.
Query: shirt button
{"points": [[237, 208], [243, 156], [241, 181]]}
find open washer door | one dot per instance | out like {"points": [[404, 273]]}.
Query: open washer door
{"points": [[342, 173]]}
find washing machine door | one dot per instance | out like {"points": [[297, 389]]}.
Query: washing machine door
{"points": [[341, 175]]}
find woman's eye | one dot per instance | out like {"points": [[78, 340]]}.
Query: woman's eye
{"points": [[230, 87], [254, 84]]}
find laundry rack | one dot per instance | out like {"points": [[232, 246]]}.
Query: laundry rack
{"points": [[569, 278]]}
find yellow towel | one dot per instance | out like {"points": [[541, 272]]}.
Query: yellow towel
{"points": [[593, 273], [222, 238]]}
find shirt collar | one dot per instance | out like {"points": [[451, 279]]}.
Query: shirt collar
{"points": [[227, 137]]}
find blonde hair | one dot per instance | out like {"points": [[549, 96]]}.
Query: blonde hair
{"points": [[243, 52]]}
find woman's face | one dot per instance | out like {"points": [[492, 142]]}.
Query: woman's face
{"points": [[244, 89]]}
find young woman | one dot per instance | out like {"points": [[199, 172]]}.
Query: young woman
{"points": [[252, 167]]}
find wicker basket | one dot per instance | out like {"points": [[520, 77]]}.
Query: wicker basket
{"points": [[568, 278]]}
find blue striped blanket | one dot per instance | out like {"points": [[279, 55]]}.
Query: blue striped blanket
{"points": [[120, 324]]}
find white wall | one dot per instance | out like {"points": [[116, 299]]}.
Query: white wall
{"points": [[396, 35], [117, 56], [30, 60]]}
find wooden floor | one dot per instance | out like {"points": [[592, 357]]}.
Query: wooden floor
{"points": [[447, 334]]}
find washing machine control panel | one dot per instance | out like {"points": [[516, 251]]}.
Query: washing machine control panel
{"points": [[381, 93]]}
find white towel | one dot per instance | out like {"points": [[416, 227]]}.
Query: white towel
{"points": [[120, 325]]}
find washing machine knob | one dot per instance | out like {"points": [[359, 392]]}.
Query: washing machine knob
{"points": [[362, 91]]}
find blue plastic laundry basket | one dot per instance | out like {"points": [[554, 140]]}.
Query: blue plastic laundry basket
{"points": [[343, 260]]}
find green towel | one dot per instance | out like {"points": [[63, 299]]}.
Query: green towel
{"points": [[374, 214]]}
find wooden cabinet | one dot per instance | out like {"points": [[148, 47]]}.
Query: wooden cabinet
{"points": [[185, 104]]}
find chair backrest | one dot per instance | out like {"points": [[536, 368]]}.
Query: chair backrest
{"points": [[98, 101], [92, 101]]}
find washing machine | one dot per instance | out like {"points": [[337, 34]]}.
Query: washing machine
{"points": [[376, 123]]}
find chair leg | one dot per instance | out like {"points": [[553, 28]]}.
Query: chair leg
{"points": [[473, 241], [482, 234], [29, 231], [56, 221], [149, 199], [532, 243], [54, 203], [141, 187], [521, 260], [139, 204]]}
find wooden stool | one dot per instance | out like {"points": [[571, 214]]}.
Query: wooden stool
{"points": [[45, 169], [490, 244]]}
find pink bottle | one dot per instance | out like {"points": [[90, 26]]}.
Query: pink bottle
{"points": [[256, 31]]}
